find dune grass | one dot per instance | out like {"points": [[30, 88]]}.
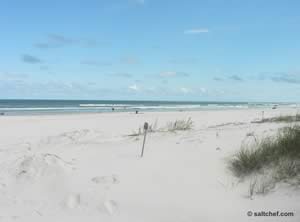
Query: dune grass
{"points": [[281, 153], [172, 126], [178, 125], [153, 127]]}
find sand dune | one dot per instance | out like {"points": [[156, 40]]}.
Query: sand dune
{"points": [[85, 166]]}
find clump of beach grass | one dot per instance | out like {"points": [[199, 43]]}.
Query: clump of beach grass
{"points": [[152, 129], [287, 169], [260, 185], [279, 154], [172, 126], [180, 125]]}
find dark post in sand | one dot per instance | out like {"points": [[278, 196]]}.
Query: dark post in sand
{"points": [[146, 126]]}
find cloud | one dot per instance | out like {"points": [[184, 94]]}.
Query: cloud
{"points": [[31, 59], [286, 78], [235, 78], [185, 90], [53, 89], [196, 31], [172, 74], [58, 40], [163, 90], [134, 87], [280, 77], [43, 45], [123, 75], [183, 61], [217, 79], [13, 77], [203, 90], [54, 41]]}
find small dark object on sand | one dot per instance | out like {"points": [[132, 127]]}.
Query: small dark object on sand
{"points": [[274, 107], [2, 114], [136, 112]]}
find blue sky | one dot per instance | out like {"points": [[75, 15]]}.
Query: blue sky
{"points": [[221, 50]]}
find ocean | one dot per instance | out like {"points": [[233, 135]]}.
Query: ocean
{"points": [[37, 107]]}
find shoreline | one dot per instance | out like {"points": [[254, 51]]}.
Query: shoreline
{"points": [[141, 111]]}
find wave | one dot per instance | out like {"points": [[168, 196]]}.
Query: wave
{"points": [[123, 106], [105, 105], [36, 108]]}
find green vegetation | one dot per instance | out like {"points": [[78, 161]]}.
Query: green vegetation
{"points": [[180, 125], [268, 161], [173, 126], [280, 153]]}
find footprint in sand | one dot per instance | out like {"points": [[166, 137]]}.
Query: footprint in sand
{"points": [[106, 180]]}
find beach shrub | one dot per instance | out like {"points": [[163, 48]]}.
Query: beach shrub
{"points": [[180, 125], [177, 125], [286, 169], [280, 152]]}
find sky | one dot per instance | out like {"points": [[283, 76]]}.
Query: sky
{"points": [[191, 50]]}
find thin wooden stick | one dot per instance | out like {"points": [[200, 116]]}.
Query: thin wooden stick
{"points": [[146, 125]]}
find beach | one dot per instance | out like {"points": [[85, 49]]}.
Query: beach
{"points": [[70, 167]]}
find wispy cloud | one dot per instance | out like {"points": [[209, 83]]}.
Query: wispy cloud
{"points": [[185, 90], [133, 87], [122, 75], [58, 40], [31, 59], [54, 41], [217, 79], [286, 78], [172, 74], [13, 77], [183, 61], [196, 31], [235, 78], [43, 45], [291, 77], [49, 89]]}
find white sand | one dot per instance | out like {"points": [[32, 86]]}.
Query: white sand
{"points": [[84, 167]]}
